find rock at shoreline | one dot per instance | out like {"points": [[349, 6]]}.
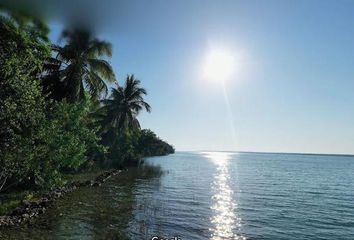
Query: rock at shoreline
{"points": [[27, 210]]}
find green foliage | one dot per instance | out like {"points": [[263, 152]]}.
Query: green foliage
{"points": [[151, 145], [6, 208], [69, 138], [131, 145], [123, 151], [47, 127], [22, 103], [38, 139]]}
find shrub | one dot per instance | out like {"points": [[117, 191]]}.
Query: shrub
{"points": [[21, 101]]}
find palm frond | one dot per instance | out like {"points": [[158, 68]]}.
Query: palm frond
{"points": [[102, 68], [99, 48]]}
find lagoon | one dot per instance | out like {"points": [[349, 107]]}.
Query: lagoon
{"points": [[210, 195]]}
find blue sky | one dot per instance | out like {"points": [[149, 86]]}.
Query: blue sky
{"points": [[292, 92]]}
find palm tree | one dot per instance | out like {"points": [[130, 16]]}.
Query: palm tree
{"points": [[78, 67], [121, 110]]}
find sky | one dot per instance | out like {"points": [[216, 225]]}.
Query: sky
{"points": [[292, 88]]}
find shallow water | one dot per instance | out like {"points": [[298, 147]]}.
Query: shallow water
{"points": [[210, 195]]}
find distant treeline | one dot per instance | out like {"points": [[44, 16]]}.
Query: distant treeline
{"points": [[151, 145], [57, 114]]}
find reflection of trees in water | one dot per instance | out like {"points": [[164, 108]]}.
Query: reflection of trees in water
{"points": [[105, 212]]}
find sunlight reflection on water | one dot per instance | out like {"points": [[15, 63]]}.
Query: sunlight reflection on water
{"points": [[224, 221]]}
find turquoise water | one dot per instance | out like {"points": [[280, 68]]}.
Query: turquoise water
{"points": [[210, 195]]}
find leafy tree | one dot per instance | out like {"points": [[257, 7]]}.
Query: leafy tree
{"points": [[123, 152], [38, 139], [68, 140], [21, 101], [34, 27], [41, 138], [78, 66], [151, 145]]}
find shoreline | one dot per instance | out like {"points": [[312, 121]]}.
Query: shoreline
{"points": [[28, 210]]}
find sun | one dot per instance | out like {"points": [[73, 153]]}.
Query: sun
{"points": [[219, 65]]}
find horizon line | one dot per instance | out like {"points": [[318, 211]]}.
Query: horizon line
{"points": [[264, 152]]}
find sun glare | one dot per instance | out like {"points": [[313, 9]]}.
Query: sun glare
{"points": [[219, 65]]}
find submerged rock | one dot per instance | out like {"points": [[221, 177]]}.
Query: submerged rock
{"points": [[27, 210]]}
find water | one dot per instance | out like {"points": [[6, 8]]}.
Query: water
{"points": [[210, 195]]}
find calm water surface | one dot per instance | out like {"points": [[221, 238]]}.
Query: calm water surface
{"points": [[210, 195]]}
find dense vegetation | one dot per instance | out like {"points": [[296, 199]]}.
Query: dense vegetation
{"points": [[57, 113]]}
